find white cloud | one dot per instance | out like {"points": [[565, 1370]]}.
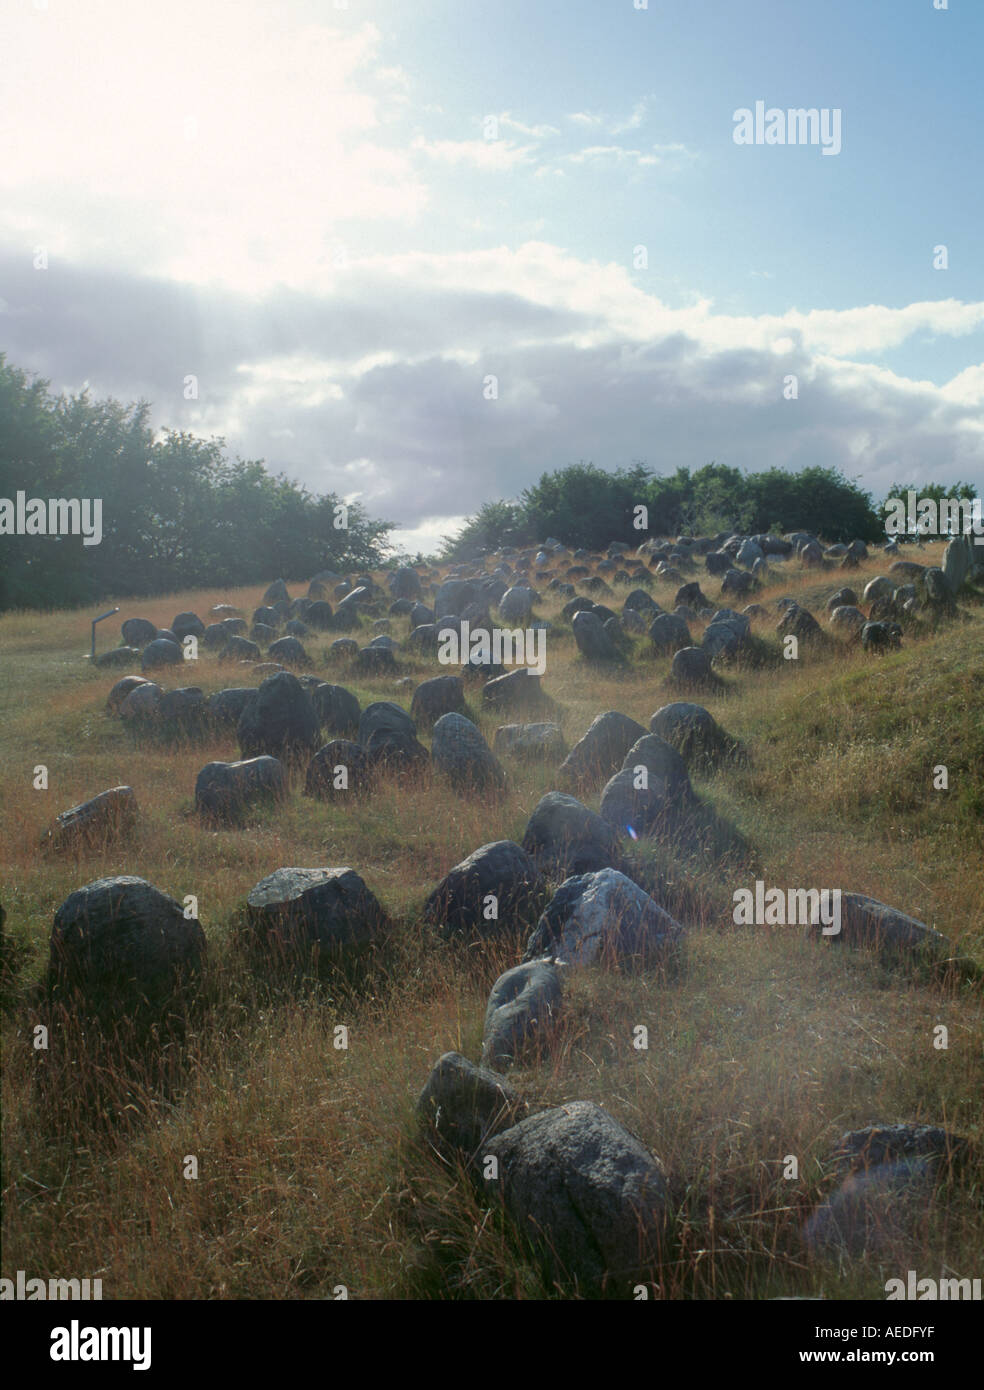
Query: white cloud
{"points": [[489, 155]]}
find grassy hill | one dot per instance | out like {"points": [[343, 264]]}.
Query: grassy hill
{"points": [[311, 1172]]}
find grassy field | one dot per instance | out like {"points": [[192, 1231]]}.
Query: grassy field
{"points": [[311, 1172]]}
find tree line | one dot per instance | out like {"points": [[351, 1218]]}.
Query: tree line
{"points": [[177, 512], [583, 505]]}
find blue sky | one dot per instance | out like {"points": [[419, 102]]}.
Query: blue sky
{"points": [[299, 205]]}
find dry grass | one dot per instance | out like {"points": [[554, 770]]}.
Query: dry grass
{"points": [[311, 1173]]}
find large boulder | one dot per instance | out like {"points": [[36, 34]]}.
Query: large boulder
{"points": [[289, 651], [94, 824], [565, 838], [958, 560], [522, 1008], [604, 918], [601, 750], [279, 721], [223, 791], [119, 656], [497, 889], [224, 707], [436, 697], [340, 770], [691, 670], [695, 734], [668, 633], [138, 632], [530, 742], [587, 1193], [139, 708], [593, 642], [123, 687], [405, 583], [459, 751], [331, 909], [869, 924], [161, 652], [516, 690], [337, 709], [119, 940], [516, 605], [383, 714], [452, 596], [651, 791], [461, 1106], [187, 625]]}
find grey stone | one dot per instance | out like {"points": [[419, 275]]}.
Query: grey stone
{"points": [[279, 721], [459, 903], [160, 652], [138, 632], [323, 771], [459, 751], [523, 1006], [94, 824], [223, 791], [603, 918], [565, 838], [461, 1106], [331, 909], [435, 697], [530, 742], [587, 1193], [601, 750]]}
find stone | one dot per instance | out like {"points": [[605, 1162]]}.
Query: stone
{"points": [[343, 649], [141, 705], [224, 791], [452, 596], [738, 582], [461, 1106], [337, 709], [587, 1193], [516, 605], [668, 633], [122, 942], [121, 690], [187, 625], [869, 924], [460, 905], [881, 637], [799, 623], [320, 616], [691, 669], [289, 651], [405, 583], [881, 587], [696, 735], [957, 564], [277, 593], [848, 620], [240, 649], [516, 690], [383, 714], [119, 656], [331, 909], [459, 751], [160, 652], [224, 707], [375, 661], [600, 751], [279, 721], [215, 636], [565, 838], [95, 824], [435, 697], [846, 598], [522, 1009], [530, 742], [339, 762], [183, 710], [138, 632], [603, 918], [593, 642]]}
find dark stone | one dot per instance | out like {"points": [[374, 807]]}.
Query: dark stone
{"points": [[122, 941], [95, 824], [588, 1193], [522, 1009], [138, 632], [121, 690], [323, 768], [459, 751], [600, 752], [223, 791], [462, 1106], [503, 869], [119, 656], [604, 918], [279, 721], [565, 838], [224, 707], [337, 709], [432, 698], [289, 651], [331, 909], [159, 653]]}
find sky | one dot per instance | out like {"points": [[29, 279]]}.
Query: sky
{"points": [[418, 254]]}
